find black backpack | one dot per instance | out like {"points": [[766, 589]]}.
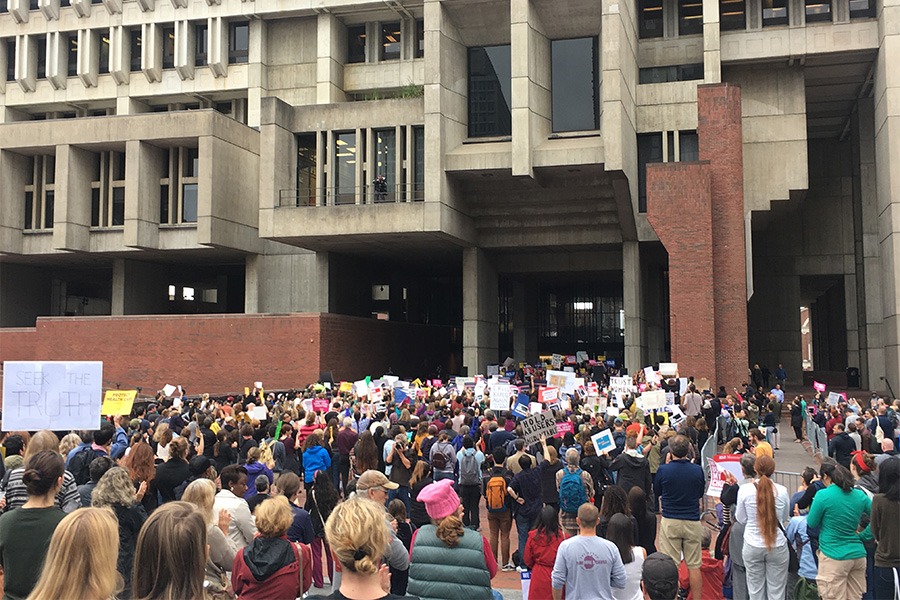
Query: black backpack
{"points": [[80, 465]]}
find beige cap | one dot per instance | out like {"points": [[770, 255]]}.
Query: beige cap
{"points": [[372, 479]]}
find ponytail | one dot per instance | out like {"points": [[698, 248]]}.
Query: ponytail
{"points": [[765, 501], [450, 529]]}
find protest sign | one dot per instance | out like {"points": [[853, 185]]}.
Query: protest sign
{"points": [[670, 398], [834, 398], [718, 467], [593, 389], [603, 441], [655, 399], [819, 387], [362, 388], [51, 395], [570, 359], [612, 411], [557, 361], [676, 415], [702, 384], [650, 375], [535, 408], [564, 428], [118, 402], [549, 394], [621, 384], [376, 394], [500, 393], [391, 379], [493, 370], [258, 385], [535, 426], [170, 389], [346, 386], [320, 404], [682, 386], [521, 407], [259, 413], [668, 369], [581, 356], [565, 380], [509, 363]]}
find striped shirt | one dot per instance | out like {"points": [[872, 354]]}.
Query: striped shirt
{"points": [[67, 499]]}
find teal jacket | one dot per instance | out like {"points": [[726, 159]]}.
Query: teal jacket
{"points": [[837, 514], [438, 572]]}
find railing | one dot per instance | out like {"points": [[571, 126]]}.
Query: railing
{"points": [[345, 196], [789, 480]]}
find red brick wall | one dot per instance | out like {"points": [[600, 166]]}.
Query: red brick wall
{"points": [[678, 213], [224, 353]]}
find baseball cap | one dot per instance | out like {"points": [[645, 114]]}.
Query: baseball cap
{"points": [[660, 576], [372, 479]]}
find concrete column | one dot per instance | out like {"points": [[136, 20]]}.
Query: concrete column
{"points": [[13, 173], [72, 200], [525, 336], [285, 283], [712, 54], [480, 311], [531, 102], [256, 70], [331, 42], [139, 288], [887, 157], [145, 165], [633, 302]]}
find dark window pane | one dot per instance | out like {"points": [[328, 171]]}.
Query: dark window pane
{"points": [[356, 44], [33, 5], [775, 12], [10, 60], [490, 91], [574, 74], [419, 160], [104, 51], [818, 10], [72, 66], [118, 206], [650, 18], [345, 168], [50, 169], [29, 210], [3, 6], [671, 73], [49, 197], [306, 169], [688, 146], [238, 43], [95, 207], [420, 39], [862, 9], [135, 50], [732, 15], [201, 35], [191, 162], [390, 41], [189, 203], [168, 49], [118, 167], [385, 164], [41, 43], [649, 151], [164, 203], [690, 17]]}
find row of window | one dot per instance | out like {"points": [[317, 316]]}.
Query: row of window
{"points": [[733, 14], [389, 41], [238, 49], [665, 146]]}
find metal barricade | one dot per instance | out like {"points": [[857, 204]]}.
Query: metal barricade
{"points": [[709, 449], [789, 480]]}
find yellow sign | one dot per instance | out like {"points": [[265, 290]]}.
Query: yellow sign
{"points": [[118, 402], [417, 382], [346, 386]]}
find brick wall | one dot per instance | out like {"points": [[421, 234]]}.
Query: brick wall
{"points": [[697, 210], [224, 353]]}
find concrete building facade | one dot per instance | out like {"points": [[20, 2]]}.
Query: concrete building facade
{"points": [[476, 166]]}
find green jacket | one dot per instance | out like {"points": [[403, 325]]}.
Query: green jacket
{"points": [[837, 514], [438, 572]]}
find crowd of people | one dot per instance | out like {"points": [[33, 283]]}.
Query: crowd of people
{"points": [[199, 497]]}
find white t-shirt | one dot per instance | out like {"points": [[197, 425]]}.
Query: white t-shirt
{"points": [[746, 513], [633, 571]]}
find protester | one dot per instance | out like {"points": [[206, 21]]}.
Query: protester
{"points": [[346, 440], [234, 484], [16, 494], [713, 571], [262, 492], [374, 486], [301, 529], [645, 519], [69, 572], [421, 477], [256, 467], [447, 560], [659, 578], [803, 583], [141, 468], [271, 567], [25, 533], [620, 531], [525, 491], [442, 457], [202, 494], [470, 460], [588, 566], [540, 552], [632, 468], [499, 508], [174, 472], [316, 457], [401, 459], [549, 468], [99, 466], [885, 517], [171, 554], [115, 491], [575, 487]]}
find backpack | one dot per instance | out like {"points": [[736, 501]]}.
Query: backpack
{"points": [[265, 454], [571, 492], [439, 460], [806, 589], [468, 470], [495, 494], [80, 465]]}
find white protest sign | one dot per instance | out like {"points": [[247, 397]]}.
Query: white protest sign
{"points": [[718, 467], [169, 389], [493, 370], [668, 369], [258, 385], [52, 395], [670, 398], [621, 384], [676, 416], [479, 390], [535, 426], [652, 400], [362, 388], [377, 394], [564, 380], [834, 398], [500, 393], [556, 360], [391, 379], [612, 411], [259, 413], [682, 386], [535, 408], [581, 356], [593, 389], [650, 375], [603, 441], [509, 363]]}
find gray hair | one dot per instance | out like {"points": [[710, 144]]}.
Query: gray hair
{"points": [[572, 457]]}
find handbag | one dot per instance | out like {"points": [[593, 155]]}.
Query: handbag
{"points": [[793, 558], [215, 583]]}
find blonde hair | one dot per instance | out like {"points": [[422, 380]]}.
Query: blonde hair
{"points": [[40, 441], [274, 516], [115, 487], [170, 558], [69, 442], [160, 429], [66, 567], [357, 525], [449, 529], [202, 494]]}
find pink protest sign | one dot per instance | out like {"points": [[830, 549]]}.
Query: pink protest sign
{"points": [[320, 404], [819, 387], [564, 428]]}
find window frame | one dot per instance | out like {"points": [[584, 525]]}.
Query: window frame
{"points": [[384, 42], [135, 45], [238, 56], [595, 68], [644, 7], [780, 19], [818, 14], [357, 39], [103, 65], [471, 97], [108, 185], [173, 185], [201, 58], [42, 192], [168, 47], [690, 17], [734, 16]]}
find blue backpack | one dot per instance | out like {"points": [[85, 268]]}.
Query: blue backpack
{"points": [[571, 492]]}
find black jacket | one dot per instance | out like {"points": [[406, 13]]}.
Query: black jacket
{"points": [[841, 448], [633, 471]]}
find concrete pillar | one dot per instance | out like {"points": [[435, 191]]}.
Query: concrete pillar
{"points": [[139, 288], [145, 165], [525, 328], [285, 283], [712, 53], [530, 68], [887, 157], [331, 42], [13, 173], [256, 70], [633, 302], [480, 311], [72, 199]]}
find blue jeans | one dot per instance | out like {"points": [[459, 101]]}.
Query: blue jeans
{"points": [[883, 582], [523, 526], [401, 492]]}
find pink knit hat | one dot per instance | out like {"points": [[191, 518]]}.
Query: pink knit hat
{"points": [[440, 499]]}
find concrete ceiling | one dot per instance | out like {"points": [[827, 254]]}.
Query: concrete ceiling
{"points": [[833, 84]]}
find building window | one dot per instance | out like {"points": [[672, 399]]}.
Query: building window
{"points": [[238, 43], [862, 9], [490, 91], [356, 44], [671, 73], [818, 10], [775, 12], [390, 41], [201, 43], [72, 55], [420, 38], [345, 153], [179, 190], [135, 50], [307, 154], [690, 17], [40, 192], [575, 84], [582, 314], [3, 6], [41, 43], [688, 146], [103, 55], [418, 139], [11, 60], [168, 48], [33, 5], [385, 190], [649, 151], [732, 15], [108, 190], [651, 18]]}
